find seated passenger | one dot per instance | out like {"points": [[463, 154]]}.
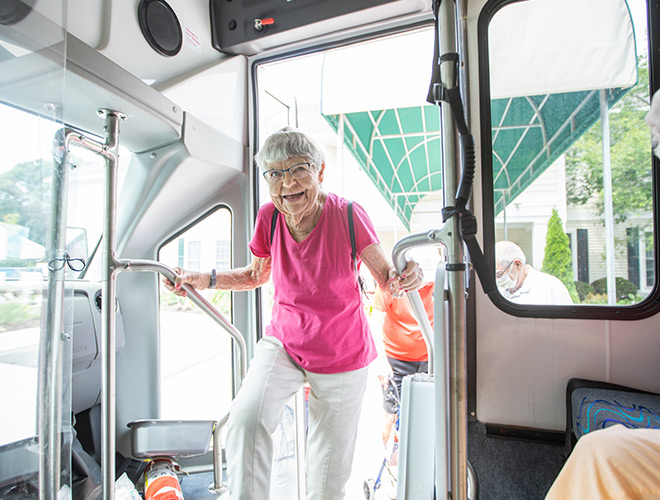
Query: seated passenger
{"points": [[611, 463], [521, 283]]}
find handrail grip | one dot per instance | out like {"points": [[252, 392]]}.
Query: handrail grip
{"points": [[218, 317], [199, 301], [435, 238]]}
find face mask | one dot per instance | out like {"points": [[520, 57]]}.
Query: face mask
{"points": [[506, 282]]}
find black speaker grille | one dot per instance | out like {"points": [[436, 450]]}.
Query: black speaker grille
{"points": [[160, 27]]}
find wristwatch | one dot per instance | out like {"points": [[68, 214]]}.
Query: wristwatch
{"points": [[214, 279]]}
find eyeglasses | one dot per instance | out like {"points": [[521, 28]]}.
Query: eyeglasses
{"points": [[499, 274], [297, 171], [75, 264]]}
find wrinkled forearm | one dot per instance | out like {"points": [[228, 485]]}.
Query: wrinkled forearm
{"points": [[245, 278], [378, 264]]}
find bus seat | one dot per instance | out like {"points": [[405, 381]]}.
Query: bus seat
{"points": [[592, 405]]}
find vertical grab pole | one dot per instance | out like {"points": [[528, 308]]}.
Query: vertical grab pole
{"points": [[455, 267], [53, 335], [108, 292], [54, 338], [440, 386]]}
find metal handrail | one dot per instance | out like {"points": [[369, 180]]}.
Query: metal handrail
{"points": [[437, 237], [199, 301], [50, 383], [435, 338], [218, 317], [441, 364]]}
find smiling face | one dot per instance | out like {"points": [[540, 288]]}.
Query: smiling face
{"points": [[296, 197]]}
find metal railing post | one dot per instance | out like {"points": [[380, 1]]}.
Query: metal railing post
{"points": [[50, 372], [108, 296], [53, 335]]}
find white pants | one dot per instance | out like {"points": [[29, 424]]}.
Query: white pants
{"points": [[334, 411]]}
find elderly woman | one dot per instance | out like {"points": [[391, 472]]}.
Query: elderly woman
{"points": [[318, 332]]}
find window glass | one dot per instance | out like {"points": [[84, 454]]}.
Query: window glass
{"points": [[195, 353], [192, 261], [26, 176], [223, 255], [571, 152]]}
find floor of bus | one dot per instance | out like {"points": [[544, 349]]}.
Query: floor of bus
{"points": [[506, 469]]}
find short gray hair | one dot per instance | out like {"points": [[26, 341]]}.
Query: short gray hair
{"points": [[289, 143], [507, 251]]}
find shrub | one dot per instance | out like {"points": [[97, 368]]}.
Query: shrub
{"points": [[624, 288], [583, 289], [595, 299], [557, 258]]}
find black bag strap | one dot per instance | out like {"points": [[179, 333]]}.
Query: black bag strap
{"points": [[273, 223], [351, 230]]}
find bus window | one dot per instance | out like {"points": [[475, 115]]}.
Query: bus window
{"points": [[566, 148], [192, 346]]}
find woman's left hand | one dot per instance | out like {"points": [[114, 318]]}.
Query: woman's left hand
{"points": [[381, 268], [410, 279]]}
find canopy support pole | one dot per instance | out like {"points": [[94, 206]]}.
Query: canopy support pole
{"points": [[607, 199]]}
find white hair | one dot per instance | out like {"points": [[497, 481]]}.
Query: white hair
{"points": [[507, 251], [653, 121]]}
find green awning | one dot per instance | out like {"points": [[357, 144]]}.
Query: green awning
{"points": [[548, 60], [530, 133], [399, 149]]}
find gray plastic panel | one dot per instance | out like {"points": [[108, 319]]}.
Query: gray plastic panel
{"points": [[170, 438], [34, 81], [86, 369]]}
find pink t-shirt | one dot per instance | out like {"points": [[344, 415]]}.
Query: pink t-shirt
{"points": [[318, 313]]}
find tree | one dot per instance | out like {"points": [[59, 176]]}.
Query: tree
{"points": [[25, 198], [632, 182], [557, 258]]}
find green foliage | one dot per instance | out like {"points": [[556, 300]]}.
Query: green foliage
{"points": [[625, 289], [221, 299], [600, 299], [17, 310], [595, 299], [25, 198], [631, 299], [583, 289], [557, 258], [630, 157]]}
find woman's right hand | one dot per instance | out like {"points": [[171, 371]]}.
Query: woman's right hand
{"points": [[189, 277]]}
